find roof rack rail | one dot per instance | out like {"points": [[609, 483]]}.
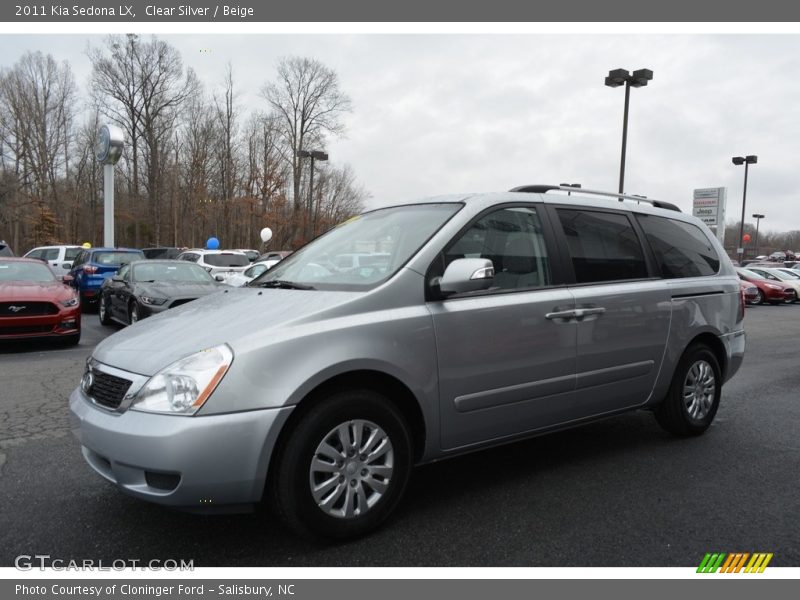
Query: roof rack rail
{"points": [[543, 189]]}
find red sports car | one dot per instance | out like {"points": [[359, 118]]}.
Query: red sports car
{"points": [[774, 292], [34, 303]]}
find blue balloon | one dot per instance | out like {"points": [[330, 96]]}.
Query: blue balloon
{"points": [[212, 243]]}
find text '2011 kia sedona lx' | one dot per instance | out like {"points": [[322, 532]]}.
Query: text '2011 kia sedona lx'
{"points": [[488, 318]]}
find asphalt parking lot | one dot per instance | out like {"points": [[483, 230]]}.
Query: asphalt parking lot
{"points": [[615, 493]]}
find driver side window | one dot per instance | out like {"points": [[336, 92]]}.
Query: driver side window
{"points": [[513, 240]]}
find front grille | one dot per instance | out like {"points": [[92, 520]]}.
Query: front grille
{"points": [[181, 301], [27, 309], [108, 390], [25, 329]]}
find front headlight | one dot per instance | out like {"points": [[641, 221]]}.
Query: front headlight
{"points": [[69, 303], [153, 300], [184, 386], [772, 286]]}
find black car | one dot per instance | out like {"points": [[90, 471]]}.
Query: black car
{"points": [[147, 287], [162, 252]]}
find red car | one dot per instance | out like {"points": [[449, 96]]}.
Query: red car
{"points": [[749, 292], [774, 292], [35, 304]]}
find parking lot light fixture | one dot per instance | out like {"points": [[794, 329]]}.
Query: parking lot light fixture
{"points": [[748, 160], [758, 218], [616, 78], [313, 155]]}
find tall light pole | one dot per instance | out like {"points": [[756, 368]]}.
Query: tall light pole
{"points": [[748, 160], [616, 78], [758, 218], [313, 155], [108, 150]]}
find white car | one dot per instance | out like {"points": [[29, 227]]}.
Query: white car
{"points": [[240, 279], [218, 262], [58, 258]]}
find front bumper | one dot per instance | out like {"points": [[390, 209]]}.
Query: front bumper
{"points": [[197, 463], [65, 323]]}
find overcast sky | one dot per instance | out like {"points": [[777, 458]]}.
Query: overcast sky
{"points": [[437, 114]]}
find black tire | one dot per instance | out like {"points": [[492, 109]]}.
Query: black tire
{"points": [[134, 311], [290, 481], [104, 310], [759, 299], [673, 414]]}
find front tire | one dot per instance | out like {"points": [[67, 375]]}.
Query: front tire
{"points": [[134, 312], [344, 466], [694, 394], [104, 311]]}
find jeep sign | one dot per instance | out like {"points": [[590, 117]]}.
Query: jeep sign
{"points": [[709, 207]]}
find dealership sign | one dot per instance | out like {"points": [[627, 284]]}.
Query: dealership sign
{"points": [[709, 207]]}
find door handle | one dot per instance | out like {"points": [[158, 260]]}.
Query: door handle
{"points": [[561, 314], [578, 313], [585, 312]]}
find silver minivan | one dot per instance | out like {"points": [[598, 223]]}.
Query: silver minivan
{"points": [[489, 318]]}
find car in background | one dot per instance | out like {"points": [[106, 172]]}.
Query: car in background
{"points": [[252, 255], [274, 254], [5, 249], [218, 262], [749, 292], [93, 265], [147, 287], [774, 292], [58, 258], [777, 256], [776, 274], [245, 277], [167, 252], [34, 303]]}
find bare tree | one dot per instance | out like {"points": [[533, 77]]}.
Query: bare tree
{"points": [[37, 98], [141, 86], [309, 104]]}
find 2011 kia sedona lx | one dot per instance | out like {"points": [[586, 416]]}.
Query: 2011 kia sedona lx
{"points": [[478, 320]]}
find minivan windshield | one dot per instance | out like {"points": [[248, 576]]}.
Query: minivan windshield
{"points": [[361, 252]]}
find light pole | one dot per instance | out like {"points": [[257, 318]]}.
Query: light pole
{"points": [[748, 160], [616, 78], [313, 155], [758, 218], [108, 150], [572, 185]]}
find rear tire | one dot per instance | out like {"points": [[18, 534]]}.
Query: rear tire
{"points": [[694, 394], [356, 484]]}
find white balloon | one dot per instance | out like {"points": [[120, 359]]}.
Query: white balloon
{"points": [[266, 234]]}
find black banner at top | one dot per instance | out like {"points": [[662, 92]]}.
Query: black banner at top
{"points": [[264, 11]]}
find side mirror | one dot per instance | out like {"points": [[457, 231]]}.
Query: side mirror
{"points": [[117, 279], [466, 275], [219, 278], [67, 279], [66, 265]]}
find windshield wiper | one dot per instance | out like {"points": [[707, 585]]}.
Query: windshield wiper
{"points": [[283, 284]]}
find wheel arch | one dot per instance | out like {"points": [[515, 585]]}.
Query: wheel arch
{"points": [[383, 383]]}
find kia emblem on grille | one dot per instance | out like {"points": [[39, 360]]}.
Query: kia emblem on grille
{"points": [[16, 309]]}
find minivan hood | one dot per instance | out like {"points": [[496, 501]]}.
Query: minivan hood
{"points": [[224, 318]]}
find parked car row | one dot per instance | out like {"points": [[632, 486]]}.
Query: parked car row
{"points": [[775, 285]]}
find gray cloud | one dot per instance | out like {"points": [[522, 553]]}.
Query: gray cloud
{"points": [[450, 113]]}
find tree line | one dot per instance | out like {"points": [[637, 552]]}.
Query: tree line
{"points": [[195, 164]]}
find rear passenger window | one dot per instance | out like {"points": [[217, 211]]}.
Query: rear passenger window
{"points": [[602, 246], [681, 249]]}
